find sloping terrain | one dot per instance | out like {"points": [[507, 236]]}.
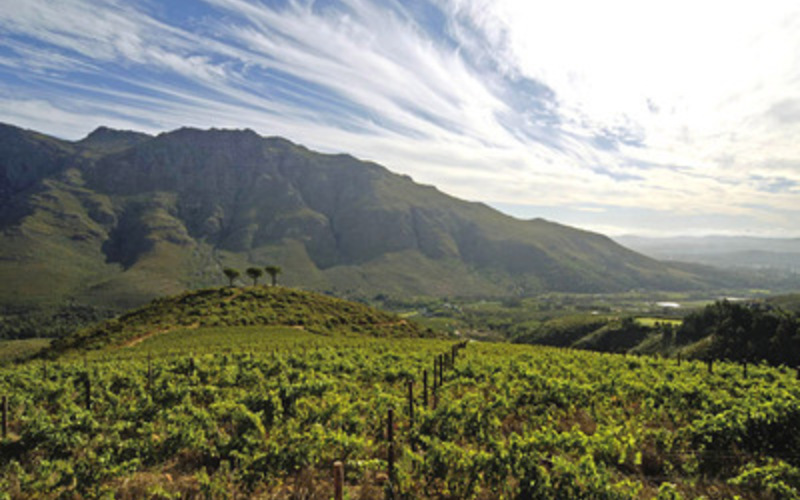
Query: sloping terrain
{"points": [[267, 418], [235, 307], [121, 217]]}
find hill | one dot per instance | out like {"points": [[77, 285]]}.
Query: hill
{"points": [[240, 307], [731, 252], [120, 217]]}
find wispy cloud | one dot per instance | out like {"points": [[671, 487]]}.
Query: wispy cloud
{"points": [[675, 108]]}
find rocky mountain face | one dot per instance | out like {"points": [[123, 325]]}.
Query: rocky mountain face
{"points": [[120, 217]]}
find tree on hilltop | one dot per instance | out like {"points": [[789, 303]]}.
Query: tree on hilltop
{"points": [[254, 273], [231, 274], [273, 272]]}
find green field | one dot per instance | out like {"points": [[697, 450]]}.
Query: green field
{"points": [[651, 322], [263, 412]]}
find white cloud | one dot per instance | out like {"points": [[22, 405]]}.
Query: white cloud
{"points": [[696, 77], [681, 107]]}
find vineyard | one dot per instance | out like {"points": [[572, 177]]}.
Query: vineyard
{"points": [[265, 412]]}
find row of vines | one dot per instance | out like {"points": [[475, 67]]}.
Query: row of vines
{"points": [[177, 418]]}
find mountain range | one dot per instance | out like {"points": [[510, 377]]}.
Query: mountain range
{"points": [[120, 217], [738, 252]]}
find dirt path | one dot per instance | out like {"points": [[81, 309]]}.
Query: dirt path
{"points": [[236, 292], [393, 323], [142, 338]]}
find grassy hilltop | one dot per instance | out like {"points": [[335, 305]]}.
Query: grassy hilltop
{"points": [[257, 306]]}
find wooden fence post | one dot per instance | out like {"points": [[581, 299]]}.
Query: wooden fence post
{"points": [[149, 372], [390, 454], [5, 417], [436, 372], [425, 387], [411, 402], [710, 365], [745, 368], [338, 480], [88, 392]]}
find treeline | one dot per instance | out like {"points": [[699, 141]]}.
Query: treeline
{"points": [[51, 322], [558, 332], [745, 332], [600, 333]]}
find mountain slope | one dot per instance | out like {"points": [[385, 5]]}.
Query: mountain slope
{"points": [[120, 217]]}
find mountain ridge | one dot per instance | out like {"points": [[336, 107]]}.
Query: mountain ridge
{"points": [[122, 217], [731, 252]]}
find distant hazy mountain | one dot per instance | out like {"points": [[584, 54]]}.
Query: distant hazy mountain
{"points": [[781, 254], [120, 217]]}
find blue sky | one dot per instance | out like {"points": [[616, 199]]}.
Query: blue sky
{"points": [[680, 117]]}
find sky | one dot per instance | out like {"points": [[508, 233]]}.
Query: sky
{"points": [[623, 117]]}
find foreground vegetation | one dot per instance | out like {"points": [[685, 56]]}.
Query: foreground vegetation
{"points": [[264, 411]]}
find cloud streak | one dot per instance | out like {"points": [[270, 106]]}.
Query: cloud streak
{"points": [[676, 111]]}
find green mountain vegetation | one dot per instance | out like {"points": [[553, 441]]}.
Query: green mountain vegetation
{"points": [[240, 307], [120, 217]]}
